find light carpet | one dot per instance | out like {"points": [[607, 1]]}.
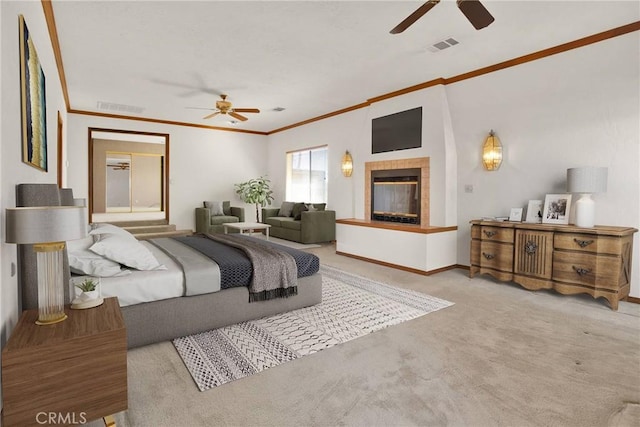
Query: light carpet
{"points": [[352, 306]]}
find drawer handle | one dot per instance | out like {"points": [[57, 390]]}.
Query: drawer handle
{"points": [[490, 234], [581, 271], [583, 243], [488, 256], [530, 247]]}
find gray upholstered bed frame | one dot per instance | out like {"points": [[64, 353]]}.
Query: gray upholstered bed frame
{"points": [[163, 320]]}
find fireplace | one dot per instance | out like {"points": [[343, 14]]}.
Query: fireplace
{"points": [[396, 192], [395, 195]]}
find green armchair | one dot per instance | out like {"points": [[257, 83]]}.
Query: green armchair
{"points": [[208, 222]]}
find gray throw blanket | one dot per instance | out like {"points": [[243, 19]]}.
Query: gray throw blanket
{"points": [[275, 274]]}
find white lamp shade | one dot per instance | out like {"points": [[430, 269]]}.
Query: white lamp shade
{"points": [[45, 224], [587, 180]]}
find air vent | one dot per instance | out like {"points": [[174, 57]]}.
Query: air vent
{"points": [[111, 106], [443, 44]]}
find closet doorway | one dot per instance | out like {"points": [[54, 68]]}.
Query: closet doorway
{"points": [[128, 176]]}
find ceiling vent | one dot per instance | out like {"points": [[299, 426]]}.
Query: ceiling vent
{"points": [[443, 44], [122, 108]]}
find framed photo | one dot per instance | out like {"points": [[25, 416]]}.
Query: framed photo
{"points": [[556, 209], [515, 215], [33, 100], [534, 211]]}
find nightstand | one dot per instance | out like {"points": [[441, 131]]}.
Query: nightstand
{"points": [[68, 373]]}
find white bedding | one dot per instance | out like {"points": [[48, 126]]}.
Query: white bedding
{"points": [[146, 286]]}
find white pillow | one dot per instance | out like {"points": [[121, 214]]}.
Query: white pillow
{"points": [[91, 264], [123, 250], [83, 261], [98, 229], [216, 208]]}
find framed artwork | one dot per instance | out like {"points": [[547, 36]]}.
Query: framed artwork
{"points": [[534, 211], [515, 214], [556, 209], [33, 99]]}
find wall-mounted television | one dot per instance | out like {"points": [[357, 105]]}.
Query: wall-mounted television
{"points": [[398, 131]]}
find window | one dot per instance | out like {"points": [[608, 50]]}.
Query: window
{"points": [[307, 175]]}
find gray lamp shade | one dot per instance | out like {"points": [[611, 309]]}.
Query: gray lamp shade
{"points": [[45, 224], [587, 180]]}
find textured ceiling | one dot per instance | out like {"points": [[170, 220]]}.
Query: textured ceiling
{"points": [[310, 57]]}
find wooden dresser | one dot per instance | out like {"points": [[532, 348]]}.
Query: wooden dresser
{"points": [[67, 373], [568, 259]]}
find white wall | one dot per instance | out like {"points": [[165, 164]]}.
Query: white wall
{"points": [[12, 170], [574, 109], [352, 131], [204, 164], [578, 108]]}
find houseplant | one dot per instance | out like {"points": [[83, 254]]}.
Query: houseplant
{"points": [[256, 191], [89, 288]]}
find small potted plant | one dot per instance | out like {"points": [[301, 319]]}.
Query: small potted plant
{"points": [[89, 288]]}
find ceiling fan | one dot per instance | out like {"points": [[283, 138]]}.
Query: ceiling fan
{"points": [[121, 166], [225, 107], [475, 12]]}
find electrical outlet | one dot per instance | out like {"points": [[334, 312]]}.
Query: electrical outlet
{"points": [[468, 188]]}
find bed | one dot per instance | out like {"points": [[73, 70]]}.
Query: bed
{"points": [[179, 311]]}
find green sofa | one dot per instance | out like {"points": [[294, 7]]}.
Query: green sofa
{"points": [[311, 227], [207, 222]]}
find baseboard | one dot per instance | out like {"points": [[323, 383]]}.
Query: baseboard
{"points": [[634, 300], [396, 266]]}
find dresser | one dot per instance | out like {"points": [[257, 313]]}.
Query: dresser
{"points": [[67, 373], [565, 258]]}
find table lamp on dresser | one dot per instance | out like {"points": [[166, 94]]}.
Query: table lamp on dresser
{"points": [[586, 181], [47, 228]]}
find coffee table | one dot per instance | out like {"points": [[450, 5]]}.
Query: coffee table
{"points": [[244, 226]]}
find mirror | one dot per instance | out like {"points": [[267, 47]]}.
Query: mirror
{"points": [[128, 177]]}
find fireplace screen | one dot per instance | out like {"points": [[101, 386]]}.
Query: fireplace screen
{"points": [[396, 199]]}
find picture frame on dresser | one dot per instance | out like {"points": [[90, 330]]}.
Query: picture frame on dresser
{"points": [[534, 211], [515, 215], [556, 209]]}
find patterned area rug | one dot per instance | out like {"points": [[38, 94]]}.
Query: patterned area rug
{"points": [[352, 306]]}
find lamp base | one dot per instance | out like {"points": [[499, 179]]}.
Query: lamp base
{"points": [[50, 282], [585, 211], [52, 321]]}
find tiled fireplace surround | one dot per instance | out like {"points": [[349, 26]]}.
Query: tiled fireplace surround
{"points": [[421, 163]]}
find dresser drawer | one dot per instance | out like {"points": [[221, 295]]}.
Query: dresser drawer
{"points": [[497, 256], [495, 234], [587, 269], [587, 243]]}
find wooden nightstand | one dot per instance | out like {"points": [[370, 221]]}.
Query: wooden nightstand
{"points": [[66, 373]]}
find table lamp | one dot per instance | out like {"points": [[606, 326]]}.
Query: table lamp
{"points": [[586, 180], [47, 228]]}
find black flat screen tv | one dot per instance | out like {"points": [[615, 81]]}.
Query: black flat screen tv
{"points": [[398, 131]]}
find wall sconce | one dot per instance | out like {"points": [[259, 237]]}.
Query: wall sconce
{"points": [[492, 152], [347, 164], [47, 228]]}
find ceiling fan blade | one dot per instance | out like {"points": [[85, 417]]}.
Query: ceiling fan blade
{"points": [[211, 115], [476, 13], [201, 108], [238, 116], [246, 110], [409, 20]]}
